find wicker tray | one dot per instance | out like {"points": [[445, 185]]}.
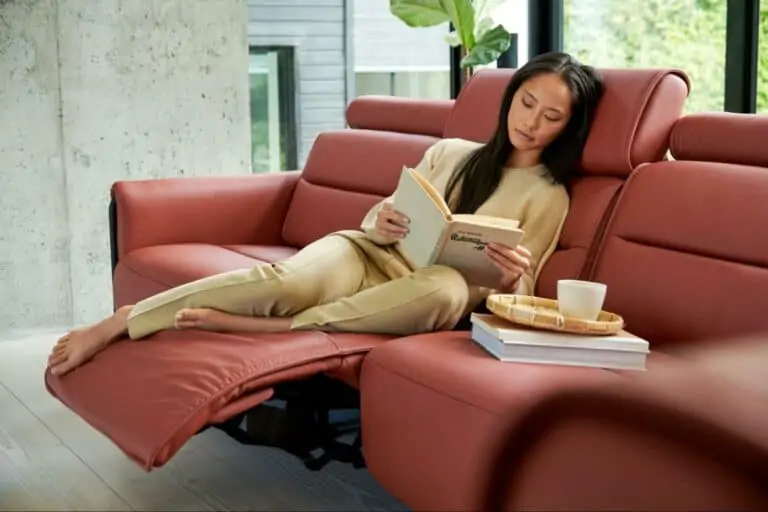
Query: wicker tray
{"points": [[541, 313]]}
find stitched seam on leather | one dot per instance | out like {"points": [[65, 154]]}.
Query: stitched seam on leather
{"points": [[611, 214], [680, 250], [601, 232], [654, 85], [343, 189], [161, 283]]}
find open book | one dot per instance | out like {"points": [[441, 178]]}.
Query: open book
{"points": [[438, 237]]}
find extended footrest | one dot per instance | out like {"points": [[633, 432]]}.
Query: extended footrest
{"points": [[307, 419]]}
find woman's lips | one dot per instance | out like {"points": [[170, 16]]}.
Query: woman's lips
{"points": [[524, 135]]}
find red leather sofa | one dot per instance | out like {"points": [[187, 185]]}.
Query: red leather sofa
{"points": [[671, 239]]}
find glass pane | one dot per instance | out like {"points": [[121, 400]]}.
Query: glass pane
{"points": [[686, 34], [269, 147], [394, 59], [762, 63]]}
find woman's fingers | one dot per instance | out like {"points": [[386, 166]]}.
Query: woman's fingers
{"points": [[503, 263], [510, 262], [395, 217], [390, 222]]}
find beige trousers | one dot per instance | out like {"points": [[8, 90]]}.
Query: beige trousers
{"points": [[337, 283]]}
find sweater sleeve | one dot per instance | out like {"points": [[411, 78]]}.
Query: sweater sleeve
{"points": [[543, 223], [425, 168]]}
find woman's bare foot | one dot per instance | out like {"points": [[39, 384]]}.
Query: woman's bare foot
{"points": [[219, 321], [80, 345]]}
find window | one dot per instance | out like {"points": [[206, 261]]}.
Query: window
{"points": [[762, 62], [686, 34], [273, 107], [394, 59], [513, 14]]}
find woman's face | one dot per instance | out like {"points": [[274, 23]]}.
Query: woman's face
{"points": [[540, 110]]}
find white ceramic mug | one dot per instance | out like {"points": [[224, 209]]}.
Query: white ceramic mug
{"points": [[580, 299]]}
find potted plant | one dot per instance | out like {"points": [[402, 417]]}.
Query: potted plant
{"points": [[481, 40]]}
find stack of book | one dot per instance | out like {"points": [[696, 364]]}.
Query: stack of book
{"points": [[510, 342]]}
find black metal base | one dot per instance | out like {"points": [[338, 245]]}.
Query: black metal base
{"points": [[307, 419]]}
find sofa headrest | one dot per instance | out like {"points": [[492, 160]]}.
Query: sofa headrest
{"points": [[631, 126], [403, 115], [721, 137]]}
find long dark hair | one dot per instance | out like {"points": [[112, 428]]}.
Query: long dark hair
{"points": [[481, 172]]}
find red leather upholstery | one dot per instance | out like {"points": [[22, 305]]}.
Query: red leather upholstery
{"points": [[688, 435], [694, 265], [172, 231], [685, 264], [702, 138], [465, 415], [400, 115], [350, 170]]}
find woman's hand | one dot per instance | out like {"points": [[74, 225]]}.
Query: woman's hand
{"points": [[512, 263], [391, 223]]}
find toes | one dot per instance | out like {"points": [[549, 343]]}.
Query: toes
{"points": [[62, 368], [62, 341], [57, 362]]}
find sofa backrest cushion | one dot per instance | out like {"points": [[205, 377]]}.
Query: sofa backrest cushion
{"points": [[348, 171], [685, 256], [401, 115], [631, 127], [699, 137]]}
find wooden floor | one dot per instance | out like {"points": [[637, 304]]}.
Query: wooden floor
{"points": [[50, 459]]}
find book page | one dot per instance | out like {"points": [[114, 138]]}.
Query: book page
{"points": [[486, 220], [431, 191], [464, 246], [428, 218]]}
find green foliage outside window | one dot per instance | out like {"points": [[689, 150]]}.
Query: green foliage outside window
{"points": [[685, 34], [762, 61]]}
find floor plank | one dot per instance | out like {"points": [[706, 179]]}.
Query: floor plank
{"points": [[211, 472], [37, 472]]}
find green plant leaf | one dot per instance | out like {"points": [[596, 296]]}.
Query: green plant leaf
{"points": [[452, 39], [419, 13], [488, 48], [462, 14]]}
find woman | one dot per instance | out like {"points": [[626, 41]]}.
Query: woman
{"points": [[357, 280]]}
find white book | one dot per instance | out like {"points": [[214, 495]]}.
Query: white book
{"points": [[514, 343], [438, 237]]}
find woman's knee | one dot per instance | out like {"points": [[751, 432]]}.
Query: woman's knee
{"points": [[450, 291]]}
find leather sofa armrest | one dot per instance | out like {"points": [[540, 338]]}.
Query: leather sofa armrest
{"points": [[217, 210], [656, 444]]}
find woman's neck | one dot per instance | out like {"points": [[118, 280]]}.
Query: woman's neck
{"points": [[522, 159]]}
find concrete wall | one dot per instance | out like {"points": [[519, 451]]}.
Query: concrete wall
{"points": [[96, 92], [316, 29]]}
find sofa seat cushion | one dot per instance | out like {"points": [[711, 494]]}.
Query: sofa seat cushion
{"points": [[434, 407], [150, 397]]}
